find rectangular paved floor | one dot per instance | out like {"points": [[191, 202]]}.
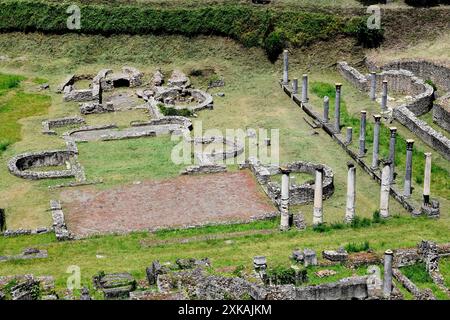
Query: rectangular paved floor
{"points": [[176, 202]]}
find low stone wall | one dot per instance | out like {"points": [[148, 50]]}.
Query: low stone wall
{"points": [[59, 225], [298, 194], [48, 125], [433, 138], [441, 112], [21, 232], [19, 164], [404, 82], [204, 169]]}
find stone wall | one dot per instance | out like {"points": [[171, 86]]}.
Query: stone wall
{"points": [[406, 83], [433, 138], [48, 125], [298, 194], [438, 73], [59, 224], [441, 112]]}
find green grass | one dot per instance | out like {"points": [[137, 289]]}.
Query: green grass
{"points": [[417, 273], [128, 160], [124, 253]]}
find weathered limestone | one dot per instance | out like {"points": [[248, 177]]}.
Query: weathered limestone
{"points": [[260, 265], [351, 192], [285, 67], [373, 85], [115, 285], [318, 186], [349, 135], [305, 88], [294, 86], [408, 173], [427, 179], [337, 108], [392, 141], [339, 255], [384, 95], [284, 202], [387, 281], [310, 257], [362, 134], [385, 189], [326, 109], [376, 141]]}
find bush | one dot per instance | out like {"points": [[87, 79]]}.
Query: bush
{"points": [[357, 247], [167, 111], [423, 3], [281, 275], [274, 45], [368, 38], [417, 273]]}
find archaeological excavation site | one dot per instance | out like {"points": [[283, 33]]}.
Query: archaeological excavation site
{"points": [[241, 150]]}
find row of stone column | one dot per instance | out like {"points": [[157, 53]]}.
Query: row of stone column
{"points": [[386, 182]]}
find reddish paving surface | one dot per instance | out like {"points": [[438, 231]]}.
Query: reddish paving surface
{"points": [[177, 202]]}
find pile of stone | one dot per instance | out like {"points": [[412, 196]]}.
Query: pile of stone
{"points": [[29, 253], [339, 255], [308, 257]]}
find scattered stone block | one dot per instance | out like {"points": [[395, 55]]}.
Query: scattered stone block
{"points": [[260, 263], [115, 285], [310, 257], [298, 256], [85, 294], [325, 273], [299, 221], [192, 263], [154, 271], [337, 256]]}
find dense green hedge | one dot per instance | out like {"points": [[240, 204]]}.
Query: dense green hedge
{"points": [[252, 26]]}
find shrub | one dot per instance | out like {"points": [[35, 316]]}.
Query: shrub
{"points": [[357, 247], [368, 38], [8, 81], [167, 111], [321, 227], [274, 44], [431, 83]]}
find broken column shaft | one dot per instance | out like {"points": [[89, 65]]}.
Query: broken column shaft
{"points": [[326, 109], [376, 141], [393, 138], [351, 192], [284, 202], [387, 281], [305, 88], [373, 85], [285, 67], [408, 172], [385, 189], [318, 200], [337, 108], [362, 134], [427, 178], [294, 86]]}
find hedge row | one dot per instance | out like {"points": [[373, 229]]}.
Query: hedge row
{"points": [[251, 26]]}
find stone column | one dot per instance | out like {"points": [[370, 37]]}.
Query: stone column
{"points": [[285, 67], [305, 88], [337, 108], [384, 95], [373, 85], [427, 178], [408, 173], [392, 140], [326, 108], [362, 134], [387, 281], [294, 86], [284, 202], [376, 141], [351, 192], [318, 189], [385, 189], [348, 135]]}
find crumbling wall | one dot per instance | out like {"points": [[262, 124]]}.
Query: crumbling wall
{"points": [[441, 112]]}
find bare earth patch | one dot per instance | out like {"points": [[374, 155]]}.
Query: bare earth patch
{"points": [[178, 202]]}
